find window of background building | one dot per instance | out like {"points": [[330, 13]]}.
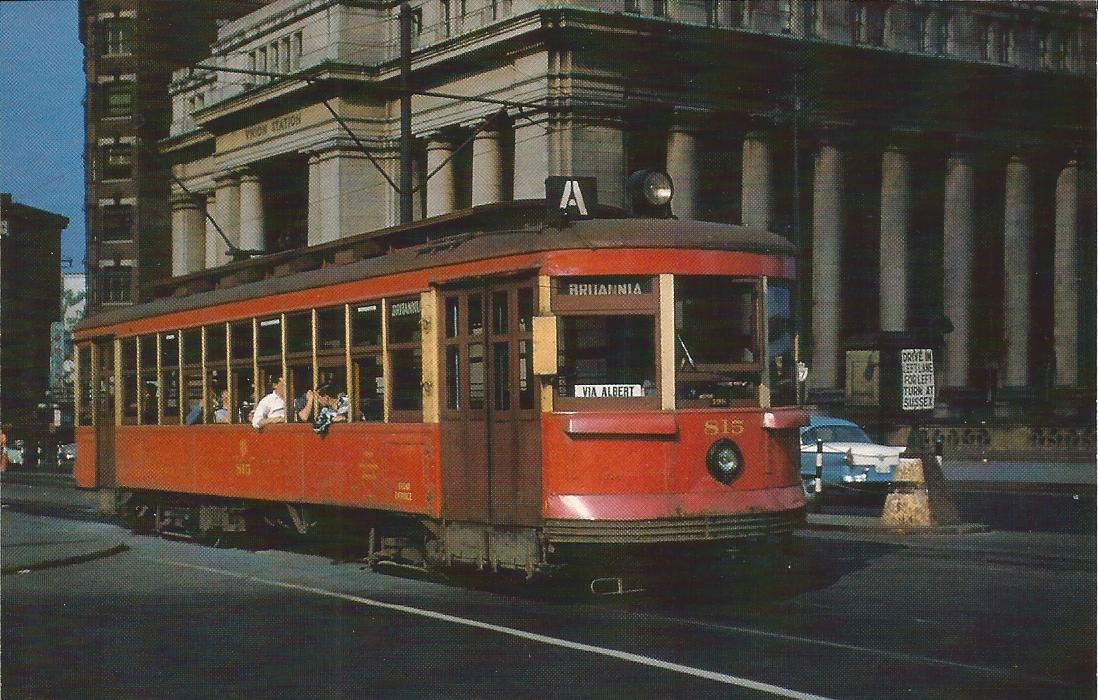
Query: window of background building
{"points": [[869, 24], [117, 223], [117, 161], [660, 8], [298, 41], [712, 13], [116, 35], [118, 98], [285, 67], [115, 284], [417, 21], [444, 16], [810, 14], [1052, 50], [785, 16]]}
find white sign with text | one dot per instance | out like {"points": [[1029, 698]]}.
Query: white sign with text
{"points": [[917, 387], [608, 391]]}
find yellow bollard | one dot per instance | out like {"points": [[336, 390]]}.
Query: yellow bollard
{"points": [[908, 503]]}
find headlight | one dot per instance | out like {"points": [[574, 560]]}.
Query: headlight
{"points": [[724, 461]]}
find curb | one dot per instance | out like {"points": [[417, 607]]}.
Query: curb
{"points": [[65, 561], [56, 510]]}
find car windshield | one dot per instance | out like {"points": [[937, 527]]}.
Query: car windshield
{"points": [[840, 433]]}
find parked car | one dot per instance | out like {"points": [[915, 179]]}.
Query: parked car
{"points": [[851, 461]]}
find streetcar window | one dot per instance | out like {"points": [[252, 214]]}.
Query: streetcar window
{"points": [[609, 357], [242, 340], [716, 342], [148, 385], [129, 380], [501, 378], [405, 357], [406, 377], [453, 325], [779, 322], [476, 375], [169, 350], [525, 309], [404, 321], [83, 358], [299, 379], [476, 316], [330, 329], [215, 345], [169, 376], [526, 385], [242, 393], [368, 389], [366, 324], [453, 376], [270, 337], [499, 312], [299, 334], [191, 382]]}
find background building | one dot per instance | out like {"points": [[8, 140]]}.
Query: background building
{"points": [[933, 160], [130, 50], [30, 277]]}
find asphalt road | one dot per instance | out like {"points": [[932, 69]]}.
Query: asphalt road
{"points": [[979, 615]]}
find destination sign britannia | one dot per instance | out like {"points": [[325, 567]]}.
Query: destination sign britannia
{"points": [[604, 286]]}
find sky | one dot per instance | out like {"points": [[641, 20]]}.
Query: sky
{"points": [[42, 113]]}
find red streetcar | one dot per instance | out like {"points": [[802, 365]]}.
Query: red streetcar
{"points": [[521, 394]]}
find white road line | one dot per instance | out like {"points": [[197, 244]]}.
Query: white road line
{"points": [[873, 651], [522, 634]]}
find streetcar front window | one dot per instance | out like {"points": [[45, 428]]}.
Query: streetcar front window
{"points": [[607, 357], [779, 323], [716, 342]]}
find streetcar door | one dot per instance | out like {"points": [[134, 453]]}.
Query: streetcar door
{"points": [[490, 418], [104, 412]]}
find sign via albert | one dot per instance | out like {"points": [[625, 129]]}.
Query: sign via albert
{"points": [[917, 379]]}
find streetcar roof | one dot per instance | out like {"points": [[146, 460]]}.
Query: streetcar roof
{"points": [[475, 243]]}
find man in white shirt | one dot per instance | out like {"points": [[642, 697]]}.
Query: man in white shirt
{"points": [[272, 407]]}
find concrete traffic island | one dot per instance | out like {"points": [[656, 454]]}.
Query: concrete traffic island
{"points": [[908, 504]]}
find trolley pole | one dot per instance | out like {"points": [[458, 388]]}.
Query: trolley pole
{"points": [[405, 113], [818, 486]]}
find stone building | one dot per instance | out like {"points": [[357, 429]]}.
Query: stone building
{"points": [[130, 50], [931, 159], [30, 280]]}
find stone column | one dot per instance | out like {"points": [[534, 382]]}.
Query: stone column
{"points": [[757, 191], [347, 195], [252, 231], [531, 159], [181, 206], [958, 233], [487, 167], [195, 217], [1017, 234], [1066, 276], [215, 247], [827, 227], [682, 167], [594, 146], [228, 218], [895, 226], [440, 186]]}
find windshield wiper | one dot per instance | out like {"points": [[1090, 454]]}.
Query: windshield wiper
{"points": [[689, 357]]}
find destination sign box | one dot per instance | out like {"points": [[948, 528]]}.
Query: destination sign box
{"points": [[603, 286]]}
